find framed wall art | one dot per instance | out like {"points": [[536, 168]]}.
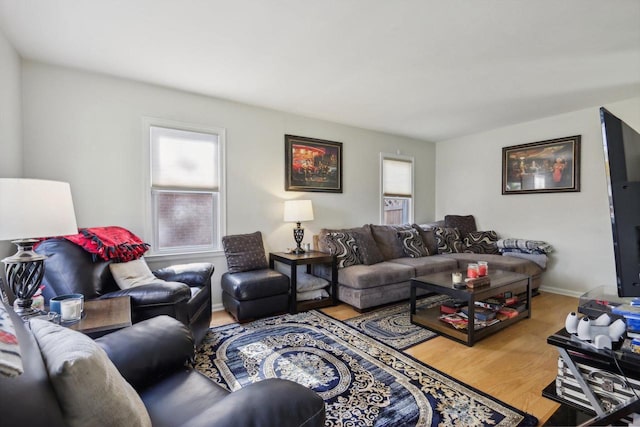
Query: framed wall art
{"points": [[542, 167], [312, 164]]}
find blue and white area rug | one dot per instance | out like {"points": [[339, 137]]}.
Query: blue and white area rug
{"points": [[362, 381], [392, 325]]}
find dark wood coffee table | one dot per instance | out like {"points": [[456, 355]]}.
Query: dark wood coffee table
{"points": [[501, 281], [103, 316]]}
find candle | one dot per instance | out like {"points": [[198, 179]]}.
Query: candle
{"points": [[483, 268], [456, 277], [472, 271], [71, 309]]}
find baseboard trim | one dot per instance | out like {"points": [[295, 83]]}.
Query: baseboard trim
{"points": [[560, 291], [217, 307]]}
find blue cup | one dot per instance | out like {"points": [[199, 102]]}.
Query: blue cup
{"points": [[54, 303]]}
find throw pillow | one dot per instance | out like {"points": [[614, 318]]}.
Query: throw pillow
{"points": [[412, 243], [369, 251], [464, 223], [322, 236], [344, 247], [448, 240], [482, 242], [88, 386], [244, 252], [428, 237], [311, 295], [386, 238], [132, 273], [10, 358]]}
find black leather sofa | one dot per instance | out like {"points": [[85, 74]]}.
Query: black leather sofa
{"points": [[185, 295], [153, 357]]}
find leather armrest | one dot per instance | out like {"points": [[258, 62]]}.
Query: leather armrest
{"points": [[149, 349], [194, 274], [154, 293], [271, 402]]}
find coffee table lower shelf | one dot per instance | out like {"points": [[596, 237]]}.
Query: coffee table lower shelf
{"points": [[440, 283], [430, 318]]}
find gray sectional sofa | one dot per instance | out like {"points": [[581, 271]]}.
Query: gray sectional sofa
{"points": [[376, 263]]}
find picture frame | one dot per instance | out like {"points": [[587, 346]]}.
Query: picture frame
{"points": [[551, 166], [312, 164]]}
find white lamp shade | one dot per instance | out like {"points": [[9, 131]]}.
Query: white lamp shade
{"points": [[298, 211], [33, 208]]}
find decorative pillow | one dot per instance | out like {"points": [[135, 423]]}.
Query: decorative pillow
{"points": [[10, 358], [322, 236], [464, 223], [428, 237], [386, 238], [369, 251], [448, 240], [132, 273], [412, 243], [89, 387], [311, 295], [481, 242], [304, 281], [244, 252], [344, 247]]}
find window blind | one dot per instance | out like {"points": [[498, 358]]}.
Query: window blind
{"points": [[396, 178]]}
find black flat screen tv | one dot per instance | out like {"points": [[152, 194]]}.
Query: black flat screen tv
{"points": [[622, 166]]}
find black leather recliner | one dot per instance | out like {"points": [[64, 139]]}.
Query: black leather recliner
{"points": [[186, 294], [153, 357]]}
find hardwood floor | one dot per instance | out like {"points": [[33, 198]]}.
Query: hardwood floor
{"points": [[513, 365]]}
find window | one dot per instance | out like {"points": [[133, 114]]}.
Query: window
{"points": [[186, 187], [397, 189]]}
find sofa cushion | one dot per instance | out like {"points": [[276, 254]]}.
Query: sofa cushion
{"points": [[481, 242], [89, 388], [370, 276], [132, 273], [464, 223], [498, 262], [448, 240], [244, 252], [427, 232], [428, 265], [368, 249], [386, 237], [343, 246], [254, 284], [412, 243]]}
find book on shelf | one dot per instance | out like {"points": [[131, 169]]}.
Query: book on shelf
{"points": [[490, 304], [481, 313]]}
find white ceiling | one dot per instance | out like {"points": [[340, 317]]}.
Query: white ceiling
{"points": [[427, 69]]}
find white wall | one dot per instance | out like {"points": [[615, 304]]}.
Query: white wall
{"points": [[87, 129], [468, 181], [10, 122]]}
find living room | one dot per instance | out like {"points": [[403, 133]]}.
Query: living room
{"points": [[85, 127]]}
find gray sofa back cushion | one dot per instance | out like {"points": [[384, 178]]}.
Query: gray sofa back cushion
{"points": [[464, 223], [386, 237]]}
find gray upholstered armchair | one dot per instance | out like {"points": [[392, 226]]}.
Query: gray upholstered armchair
{"points": [[250, 289]]}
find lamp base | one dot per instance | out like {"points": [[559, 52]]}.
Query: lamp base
{"points": [[24, 271], [298, 251], [298, 235]]}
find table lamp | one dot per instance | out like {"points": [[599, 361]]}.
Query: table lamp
{"points": [[298, 211], [41, 209]]}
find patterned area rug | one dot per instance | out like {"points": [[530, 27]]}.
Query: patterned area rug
{"points": [[362, 381], [392, 325]]}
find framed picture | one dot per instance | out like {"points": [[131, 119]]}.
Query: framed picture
{"points": [[542, 167], [312, 164]]}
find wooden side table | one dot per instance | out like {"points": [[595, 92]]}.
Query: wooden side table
{"points": [[103, 316], [309, 259]]}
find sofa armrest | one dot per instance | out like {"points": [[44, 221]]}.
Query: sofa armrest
{"points": [[149, 349], [275, 402], [194, 274], [159, 293]]}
